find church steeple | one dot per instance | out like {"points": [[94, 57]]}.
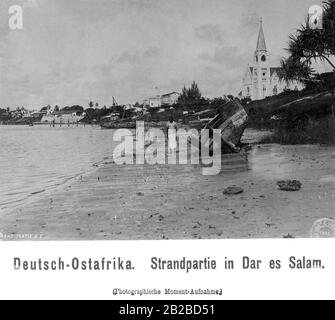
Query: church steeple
{"points": [[261, 71], [261, 80], [261, 45]]}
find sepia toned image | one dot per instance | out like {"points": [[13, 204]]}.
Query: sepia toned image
{"points": [[167, 119]]}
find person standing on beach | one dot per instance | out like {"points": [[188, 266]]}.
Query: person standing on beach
{"points": [[172, 135]]}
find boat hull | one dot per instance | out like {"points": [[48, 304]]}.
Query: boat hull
{"points": [[231, 121]]}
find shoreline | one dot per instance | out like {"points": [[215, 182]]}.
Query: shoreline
{"points": [[176, 202]]}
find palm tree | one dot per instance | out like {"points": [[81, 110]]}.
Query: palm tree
{"points": [[309, 45], [295, 70]]}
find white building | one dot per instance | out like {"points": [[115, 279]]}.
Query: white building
{"points": [[170, 98], [261, 80], [162, 100], [155, 102]]}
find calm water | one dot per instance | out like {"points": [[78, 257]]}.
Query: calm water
{"points": [[33, 159], [40, 158]]}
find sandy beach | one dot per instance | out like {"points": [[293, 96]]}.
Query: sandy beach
{"points": [[177, 202]]}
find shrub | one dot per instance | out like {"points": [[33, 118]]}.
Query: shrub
{"points": [[320, 131]]}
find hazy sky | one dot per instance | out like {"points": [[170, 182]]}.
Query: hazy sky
{"points": [[73, 51]]}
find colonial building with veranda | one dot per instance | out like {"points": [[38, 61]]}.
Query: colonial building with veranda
{"points": [[261, 80]]}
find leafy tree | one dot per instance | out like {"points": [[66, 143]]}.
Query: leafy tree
{"points": [[91, 104], [194, 93], [218, 102], [190, 97], [137, 105], [4, 114], [309, 45], [73, 109]]}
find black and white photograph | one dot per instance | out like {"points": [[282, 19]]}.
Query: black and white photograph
{"points": [[167, 120]]}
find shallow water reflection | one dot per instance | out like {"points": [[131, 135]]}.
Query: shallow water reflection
{"points": [[33, 159]]}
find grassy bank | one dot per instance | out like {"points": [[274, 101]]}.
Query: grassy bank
{"points": [[261, 111], [320, 131]]}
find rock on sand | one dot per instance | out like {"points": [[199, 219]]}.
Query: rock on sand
{"points": [[289, 185], [233, 191]]}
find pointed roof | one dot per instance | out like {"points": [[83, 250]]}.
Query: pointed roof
{"points": [[279, 71], [261, 45]]}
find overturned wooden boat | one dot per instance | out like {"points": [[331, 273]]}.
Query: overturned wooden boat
{"points": [[231, 121]]}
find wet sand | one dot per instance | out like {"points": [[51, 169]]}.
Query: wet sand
{"points": [[178, 202]]}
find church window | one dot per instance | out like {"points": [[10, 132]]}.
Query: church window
{"points": [[275, 90], [263, 58], [256, 58]]}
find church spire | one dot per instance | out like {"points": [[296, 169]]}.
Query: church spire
{"points": [[261, 45]]}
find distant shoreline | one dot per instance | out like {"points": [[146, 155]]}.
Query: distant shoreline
{"points": [[42, 124]]}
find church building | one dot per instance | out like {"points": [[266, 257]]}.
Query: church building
{"points": [[261, 80]]}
